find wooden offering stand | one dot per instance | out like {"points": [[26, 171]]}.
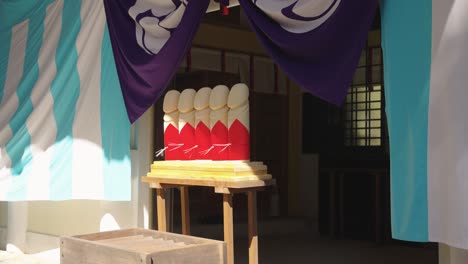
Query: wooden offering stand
{"points": [[227, 178]]}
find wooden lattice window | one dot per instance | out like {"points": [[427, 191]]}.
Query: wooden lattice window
{"points": [[363, 110]]}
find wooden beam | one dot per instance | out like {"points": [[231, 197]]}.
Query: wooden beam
{"points": [[208, 35], [294, 148], [332, 205]]}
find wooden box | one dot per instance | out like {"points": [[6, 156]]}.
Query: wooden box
{"points": [[140, 246]]}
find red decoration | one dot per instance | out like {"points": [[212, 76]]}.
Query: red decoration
{"points": [[187, 137], [239, 138], [203, 141], [220, 141], [225, 11], [172, 143]]}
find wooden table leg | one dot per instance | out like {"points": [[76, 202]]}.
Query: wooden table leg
{"points": [[184, 202], [228, 227], [161, 208], [253, 235]]}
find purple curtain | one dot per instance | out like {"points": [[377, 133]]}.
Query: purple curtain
{"points": [[317, 43], [149, 41]]}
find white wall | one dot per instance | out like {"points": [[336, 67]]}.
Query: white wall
{"points": [[79, 217], [3, 223], [451, 255], [3, 214]]}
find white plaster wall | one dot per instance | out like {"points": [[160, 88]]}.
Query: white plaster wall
{"points": [[3, 224], [3, 214], [451, 255], [78, 217]]}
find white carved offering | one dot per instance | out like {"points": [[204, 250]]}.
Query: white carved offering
{"points": [[172, 142], [238, 122], [218, 123], [202, 123], [187, 122]]}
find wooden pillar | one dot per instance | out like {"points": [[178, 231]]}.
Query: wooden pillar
{"points": [[184, 202], [228, 226], [378, 209], [253, 234], [294, 142], [341, 206], [332, 205], [161, 207]]}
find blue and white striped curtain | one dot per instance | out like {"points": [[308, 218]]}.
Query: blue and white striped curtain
{"points": [[64, 131], [426, 76]]}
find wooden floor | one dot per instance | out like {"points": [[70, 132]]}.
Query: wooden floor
{"points": [[299, 249]]}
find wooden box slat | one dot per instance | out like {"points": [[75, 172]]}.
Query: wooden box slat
{"points": [[129, 242], [117, 239], [140, 246]]}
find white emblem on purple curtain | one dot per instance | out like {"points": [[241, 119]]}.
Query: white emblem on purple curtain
{"points": [[298, 16], [155, 20]]}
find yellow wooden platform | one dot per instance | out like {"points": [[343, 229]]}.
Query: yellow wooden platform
{"points": [[210, 170]]}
